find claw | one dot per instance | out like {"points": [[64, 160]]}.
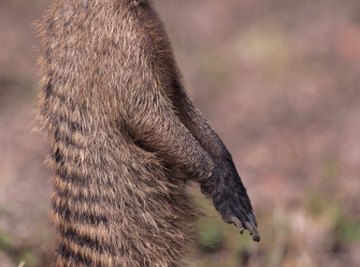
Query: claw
{"points": [[236, 222], [253, 231], [256, 238], [246, 226]]}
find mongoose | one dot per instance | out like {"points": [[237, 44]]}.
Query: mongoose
{"points": [[125, 138]]}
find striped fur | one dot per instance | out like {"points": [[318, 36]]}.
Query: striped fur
{"points": [[124, 136]]}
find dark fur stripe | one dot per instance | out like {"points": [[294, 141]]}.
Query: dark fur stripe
{"points": [[72, 256], [48, 90], [58, 157], [65, 139], [73, 125], [83, 197], [68, 214], [72, 178], [86, 241]]}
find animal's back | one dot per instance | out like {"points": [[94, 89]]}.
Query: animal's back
{"points": [[114, 203]]}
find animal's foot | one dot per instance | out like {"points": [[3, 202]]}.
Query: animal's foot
{"points": [[234, 208], [230, 198]]}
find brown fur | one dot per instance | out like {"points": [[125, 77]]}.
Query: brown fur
{"points": [[124, 137]]}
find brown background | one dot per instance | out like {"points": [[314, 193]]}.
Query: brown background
{"points": [[278, 80]]}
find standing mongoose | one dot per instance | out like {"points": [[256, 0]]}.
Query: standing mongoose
{"points": [[125, 138]]}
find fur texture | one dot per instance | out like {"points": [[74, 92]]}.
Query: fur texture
{"points": [[125, 137]]}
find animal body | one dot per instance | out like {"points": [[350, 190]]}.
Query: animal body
{"points": [[125, 138]]}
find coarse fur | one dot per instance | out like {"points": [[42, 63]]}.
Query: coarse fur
{"points": [[125, 138]]}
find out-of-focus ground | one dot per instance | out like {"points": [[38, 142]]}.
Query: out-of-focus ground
{"points": [[278, 80]]}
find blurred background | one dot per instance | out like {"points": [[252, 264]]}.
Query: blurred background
{"points": [[279, 80]]}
